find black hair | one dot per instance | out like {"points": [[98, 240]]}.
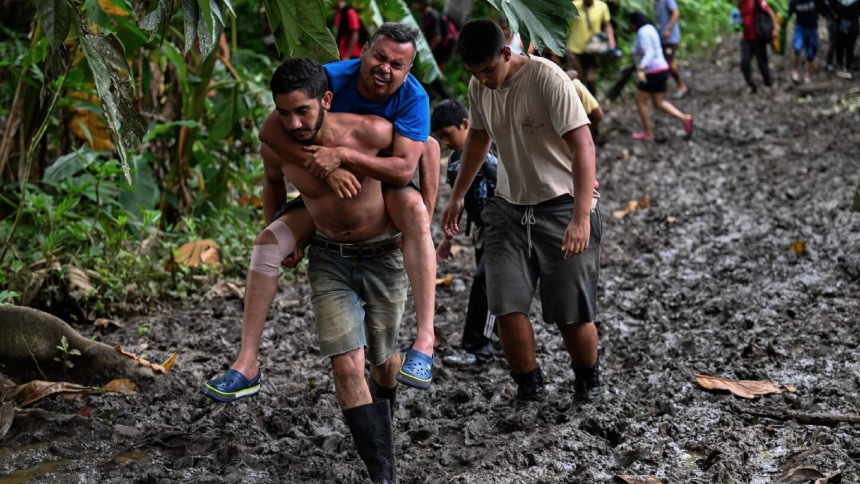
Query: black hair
{"points": [[639, 19], [398, 32], [480, 41], [302, 73], [448, 113]]}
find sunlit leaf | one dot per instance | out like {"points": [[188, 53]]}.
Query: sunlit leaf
{"points": [[56, 18], [115, 7], [192, 254], [170, 361], [299, 29], [541, 22], [742, 388]]}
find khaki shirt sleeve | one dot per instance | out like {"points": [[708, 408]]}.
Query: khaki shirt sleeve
{"points": [[562, 102], [476, 116], [606, 16], [589, 103]]}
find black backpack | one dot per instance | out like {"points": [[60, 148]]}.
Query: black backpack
{"points": [[763, 23], [343, 28]]}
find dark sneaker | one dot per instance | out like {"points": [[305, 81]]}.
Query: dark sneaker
{"points": [[586, 387], [529, 387]]}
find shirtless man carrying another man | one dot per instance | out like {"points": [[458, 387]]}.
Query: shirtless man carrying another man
{"points": [[355, 265]]}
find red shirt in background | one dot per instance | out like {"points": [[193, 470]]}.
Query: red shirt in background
{"points": [[748, 13], [353, 24]]}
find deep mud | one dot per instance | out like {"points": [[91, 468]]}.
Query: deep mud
{"points": [[701, 282]]}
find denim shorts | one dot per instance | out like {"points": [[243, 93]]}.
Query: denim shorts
{"points": [[517, 254], [805, 39], [357, 302]]}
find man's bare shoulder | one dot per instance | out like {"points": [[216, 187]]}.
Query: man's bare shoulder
{"points": [[272, 130]]}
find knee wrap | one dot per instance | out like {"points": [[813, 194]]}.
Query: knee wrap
{"points": [[266, 259]]}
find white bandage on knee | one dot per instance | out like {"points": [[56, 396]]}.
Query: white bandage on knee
{"points": [[266, 259]]}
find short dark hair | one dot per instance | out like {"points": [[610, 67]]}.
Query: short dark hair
{"points": [[448, 113], [300, 74], [639, 19], [400, 33], [480, 41]]}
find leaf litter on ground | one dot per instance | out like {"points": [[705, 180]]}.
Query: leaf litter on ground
{"points": [[742, 388]]}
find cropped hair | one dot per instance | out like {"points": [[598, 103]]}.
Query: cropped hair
{"points": [[300, 74], [400, 33], [448, 113], [639, 19], [480, 41]]}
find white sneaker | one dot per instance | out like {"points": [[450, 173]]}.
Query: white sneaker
{"points": [[807, 80], [844, 74]]}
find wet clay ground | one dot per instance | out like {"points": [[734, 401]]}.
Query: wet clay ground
{"points": [[700, 282]]}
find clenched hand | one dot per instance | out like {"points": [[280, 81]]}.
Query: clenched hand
{"points": [[344, 183], [323, 160], [576, 237]]}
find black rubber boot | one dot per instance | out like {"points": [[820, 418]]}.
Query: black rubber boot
{"points": [[529, 386], [370, 426], [587, 383], [378, 392]]}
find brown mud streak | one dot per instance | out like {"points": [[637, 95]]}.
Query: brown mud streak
{"points": [[715, 291]]}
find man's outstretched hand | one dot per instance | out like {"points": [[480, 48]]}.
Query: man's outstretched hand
{"points": [[451, 215], [323, 160]]}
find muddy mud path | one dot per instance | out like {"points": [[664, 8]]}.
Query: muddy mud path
{"points": [[700, 282]]}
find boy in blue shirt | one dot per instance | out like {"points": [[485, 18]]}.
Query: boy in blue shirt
{"points": [[450, 122]]}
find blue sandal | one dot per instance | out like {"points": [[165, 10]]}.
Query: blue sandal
{"points": [[231, 386], [416, 370]]}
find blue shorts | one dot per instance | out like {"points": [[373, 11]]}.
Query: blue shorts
{"points": [[805, 39], [358, 302]]}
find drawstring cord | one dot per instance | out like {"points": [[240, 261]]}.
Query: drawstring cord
{"points": [[528, 220]]}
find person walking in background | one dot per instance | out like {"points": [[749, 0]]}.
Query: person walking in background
{"points": [[847, 29], [450, 123], [513, 40], [441, 34], [806, 33], [753, 43], [667, 14], [590, 36], [350, 33], [653, 73], [591, 106]]}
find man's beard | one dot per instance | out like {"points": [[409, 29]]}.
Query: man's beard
{"points": [[317, 127]]}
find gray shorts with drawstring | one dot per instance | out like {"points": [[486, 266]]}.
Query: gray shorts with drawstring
{"points": [[522, 244]]}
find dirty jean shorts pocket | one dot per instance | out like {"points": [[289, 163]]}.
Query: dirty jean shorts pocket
{"points": [[392, 261]]}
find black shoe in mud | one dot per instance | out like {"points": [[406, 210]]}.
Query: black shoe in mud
{"points": [[586, 387], [529, 387]]}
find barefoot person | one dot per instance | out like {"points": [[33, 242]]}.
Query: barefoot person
{"points": [[653, 75], [355, 265], [543, 221], [377, 83]]}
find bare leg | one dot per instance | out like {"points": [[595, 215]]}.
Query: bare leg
{"points": [[667, 107], [580, 341], [673, 71], [260, 292], [428, 170], [642, 106], [385, 373], [349, 382], [809, 69], [794, 74], [518, 342], [407, 211]]}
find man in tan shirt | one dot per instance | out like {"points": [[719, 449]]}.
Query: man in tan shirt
{"points": [[543, 223]]}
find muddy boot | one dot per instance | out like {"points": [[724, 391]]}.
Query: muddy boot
{"points": [[370, 426], [378, 392], [529, 387], [587, 384]]}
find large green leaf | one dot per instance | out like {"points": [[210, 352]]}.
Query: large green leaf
{"points": [[541, 22], [107, 61], [144, 193], [157, 21], [70, 164], [191, 12], [56, 18], [300, 30], [210, 25]]}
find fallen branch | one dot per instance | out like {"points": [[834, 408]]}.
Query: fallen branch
{"points": [[829, 420]]}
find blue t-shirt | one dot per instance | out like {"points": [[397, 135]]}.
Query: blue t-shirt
{"points": [[408, 109], [663, 11]]}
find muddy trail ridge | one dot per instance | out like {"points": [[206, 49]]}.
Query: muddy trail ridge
{"points": [[702, 281]]}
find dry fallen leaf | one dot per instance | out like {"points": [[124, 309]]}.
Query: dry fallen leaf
{"points": [[445, 281], [105, 322], [227, 288], [170, 361], [644, 201], [455, 249], [7, 414], [78, 279], [834, 478], [112, 9], [637, 480], [742, 388], [798, 248], [36, 390], [800, 474], [631, 206], [155, 367], [192, 254], [121, 385]]}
